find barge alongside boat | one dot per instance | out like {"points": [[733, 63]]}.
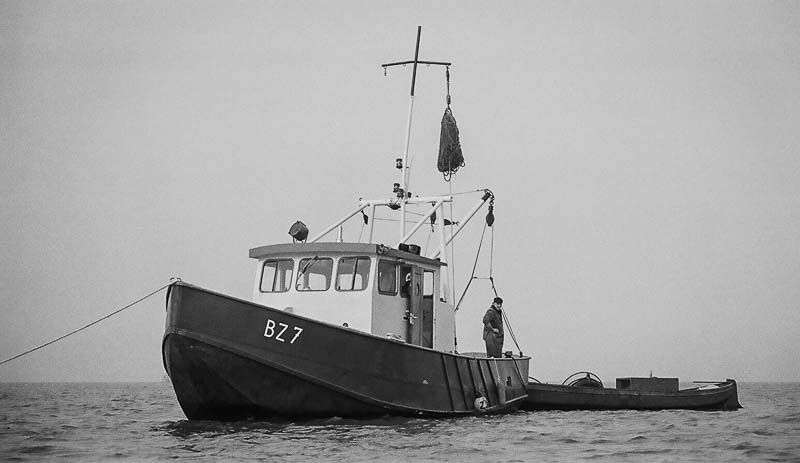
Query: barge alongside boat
{"points": [[588, 393]]}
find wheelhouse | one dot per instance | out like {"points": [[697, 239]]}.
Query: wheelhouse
{"points": [[367, 287]]}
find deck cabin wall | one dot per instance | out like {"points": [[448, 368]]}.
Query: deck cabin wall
{"points": [[387, 316], [350, 308], [367, 310], [389, 312]]}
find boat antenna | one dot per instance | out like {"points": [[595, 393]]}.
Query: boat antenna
{"points": [[402, 164]]}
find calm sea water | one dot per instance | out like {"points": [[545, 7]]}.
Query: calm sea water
{"points": [[142, 421]]}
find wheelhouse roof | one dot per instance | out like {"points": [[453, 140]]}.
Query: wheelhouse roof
{"points": [[305, 249]]}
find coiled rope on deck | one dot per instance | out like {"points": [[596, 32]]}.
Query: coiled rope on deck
{"points": [[172, 280]]}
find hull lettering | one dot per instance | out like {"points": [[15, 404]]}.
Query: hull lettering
{"points": [[276, 331]]}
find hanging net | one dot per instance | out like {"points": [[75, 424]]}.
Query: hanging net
{"points": [[450, 156]]}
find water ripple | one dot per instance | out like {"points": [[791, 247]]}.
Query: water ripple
{"points": [[78, 422]]}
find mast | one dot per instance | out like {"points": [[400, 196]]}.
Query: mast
{"points": [[402, 164]]}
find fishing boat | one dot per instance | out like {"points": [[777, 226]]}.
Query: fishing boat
{"points": [[341, 329], [585, 391]]}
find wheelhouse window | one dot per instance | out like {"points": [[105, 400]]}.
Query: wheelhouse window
{"points": [[314, 274], [387, 277], [405, 281], [352, 274], [427, 285], [276, 275]]}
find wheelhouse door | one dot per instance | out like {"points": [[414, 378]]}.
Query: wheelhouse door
{"points": [[413, 289]]}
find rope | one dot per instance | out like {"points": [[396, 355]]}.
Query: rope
{"points": [[173, 280], [466, 192], [452, 260], [381, 219], [491, 279], [508, 322], [447, 74], [474, 266], [428, 240], [491, 257], [451, 267], [363, 226]]}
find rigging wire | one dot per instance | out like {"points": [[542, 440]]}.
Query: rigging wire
{"points": [[474, 266], [363, 226], [418, 214], [466, 192], [452, 261], [505, 318], [428, 239], [451, 266], [173, 280], [491, 255], [491, 280]]}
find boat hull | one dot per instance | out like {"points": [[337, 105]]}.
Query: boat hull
{"points": [[231, 359], [559, 397]]}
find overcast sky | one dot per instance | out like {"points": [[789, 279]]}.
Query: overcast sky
{"points": [[644, 155]]}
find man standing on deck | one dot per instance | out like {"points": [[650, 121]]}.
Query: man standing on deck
{"points": [[493, 329]]}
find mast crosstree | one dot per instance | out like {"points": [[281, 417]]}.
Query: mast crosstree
{"points": [[405, 169], [404, 197]]}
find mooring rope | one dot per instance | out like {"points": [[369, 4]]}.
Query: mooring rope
{"points": [[172, 280]]}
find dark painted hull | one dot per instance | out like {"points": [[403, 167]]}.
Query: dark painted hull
{"points": [[230, 359], [557, 397]]}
